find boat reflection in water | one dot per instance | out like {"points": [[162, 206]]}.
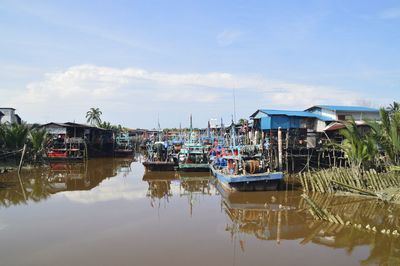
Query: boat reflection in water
{"points": [[265, 215], [280, 216], [164, 185], [40, 183]]}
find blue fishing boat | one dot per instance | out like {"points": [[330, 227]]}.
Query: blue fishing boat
{"points": [[247, 181], [238, 171]]}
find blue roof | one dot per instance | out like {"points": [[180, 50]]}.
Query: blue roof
{"points": [[295, 113], [345, 108]]}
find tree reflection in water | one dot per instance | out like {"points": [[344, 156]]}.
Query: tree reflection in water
{"points": [[38, 184]]}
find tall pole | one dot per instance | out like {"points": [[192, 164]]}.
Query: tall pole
{"points": [[280, 149], [234, 106]]}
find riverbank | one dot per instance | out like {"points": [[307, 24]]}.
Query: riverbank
{"points": [[6, 167]]}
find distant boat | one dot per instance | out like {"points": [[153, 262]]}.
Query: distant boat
{"points": [[70, 149], [193, 156], [160, 154], [159, 157], [123, 146]]}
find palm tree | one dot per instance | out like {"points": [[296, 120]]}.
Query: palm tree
{"points": [[358, 147], [13, 136], [387, 134], [394, 107], [93, 116], [106, 125], [38, 139]]}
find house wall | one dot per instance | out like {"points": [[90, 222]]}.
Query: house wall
{"points": [[360, 116], [320, 125], [9, 115], [328, 113], [55, 130]]}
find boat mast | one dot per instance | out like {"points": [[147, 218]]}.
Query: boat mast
{"points": [[234, 105], [191, 128], [159, 128]]}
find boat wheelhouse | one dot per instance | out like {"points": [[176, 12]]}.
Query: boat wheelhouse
{"points": [[123, 145]]}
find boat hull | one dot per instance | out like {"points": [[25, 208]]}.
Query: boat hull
{"points": [[59, 156], [123, 153], [192, 167], [250, 182], [159, 166]]}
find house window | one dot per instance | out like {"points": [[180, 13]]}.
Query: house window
{"points": [[341, 117]]}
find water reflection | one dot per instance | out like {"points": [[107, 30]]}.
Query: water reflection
{"points": [[265, 215], [271, 226], [384, 248], [40, 183], [283, 215], [163, 185]]}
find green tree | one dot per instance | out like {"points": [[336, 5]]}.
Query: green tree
{"points": [[13, 136], [93, 116], [106, 125], [359, 147], [394, 108], [38, 139], [243, 121], [387, 134]]}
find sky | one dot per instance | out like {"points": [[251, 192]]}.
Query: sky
{"points": [[140, 60]]}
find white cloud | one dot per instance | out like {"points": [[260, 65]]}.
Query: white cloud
{"points": [[390, 13], [131, 95], [228, 37], [109, 190]]}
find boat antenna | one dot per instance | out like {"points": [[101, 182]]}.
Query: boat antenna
{"points": [[234, 105], [208, 129], [180, 131], [159, 127], [233, 134], [222, 128], [191, 128]]}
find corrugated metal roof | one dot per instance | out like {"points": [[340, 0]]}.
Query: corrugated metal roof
{"points": [[76, 125], [295, 113], [340, 125], [345, 108]]}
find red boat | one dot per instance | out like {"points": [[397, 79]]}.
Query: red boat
{"points": [[64, 154]]}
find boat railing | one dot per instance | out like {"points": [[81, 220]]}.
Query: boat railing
{"points": [[74, 140]]}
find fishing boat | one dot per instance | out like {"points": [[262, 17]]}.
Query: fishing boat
{"points": [[123, 146], [160, 155], [237, 171], [233, 175], [193, 156], [69, 149]]}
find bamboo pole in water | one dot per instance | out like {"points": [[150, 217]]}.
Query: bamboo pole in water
{"points": [[22, 159], [279, 149]]}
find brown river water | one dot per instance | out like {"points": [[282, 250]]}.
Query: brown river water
{"points": [[110, 212]]}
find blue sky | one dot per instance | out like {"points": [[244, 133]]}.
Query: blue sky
{"points": [[136, 60]]}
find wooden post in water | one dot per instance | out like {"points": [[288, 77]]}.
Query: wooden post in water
{"points": [[286, 152], [22, 159], [278, 231], [279, 148]]}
